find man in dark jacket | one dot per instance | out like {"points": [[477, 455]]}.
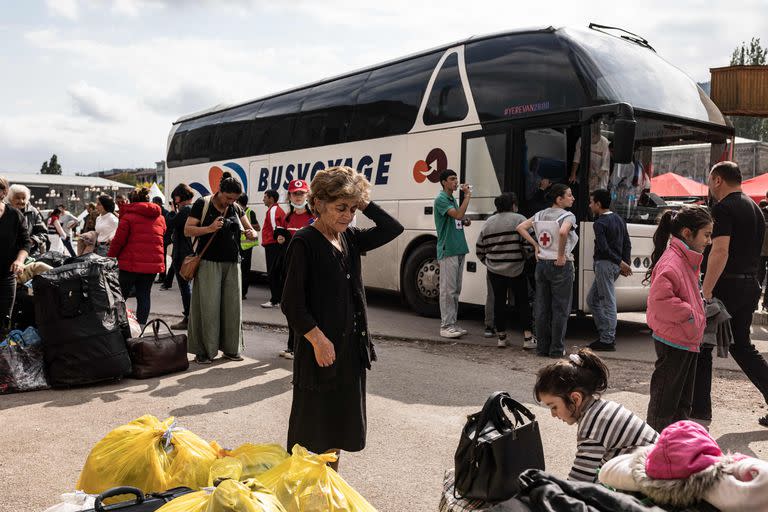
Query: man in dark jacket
{"points": [[18, 196], [611, 259], [182, 246]]}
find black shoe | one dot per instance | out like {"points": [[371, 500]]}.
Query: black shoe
{"points": [[763, 420], [599, 346]]}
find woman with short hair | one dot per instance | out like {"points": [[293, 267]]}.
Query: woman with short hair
{"points": [[138, 247], [104, 231], [182, 197], [324, 301], [18, 197], [215, 316], [13, 253]]}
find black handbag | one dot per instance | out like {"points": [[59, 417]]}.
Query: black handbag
{"points": [[494, 450], [159, 354]]}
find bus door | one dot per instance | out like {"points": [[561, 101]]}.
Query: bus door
{"points": [[486, 159]]}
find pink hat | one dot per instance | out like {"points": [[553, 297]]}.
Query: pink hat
{"points": [[683, 448], [296, 185]]}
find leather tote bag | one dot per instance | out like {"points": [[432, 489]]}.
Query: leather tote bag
{"points": [[494, 450], [158, 354]]}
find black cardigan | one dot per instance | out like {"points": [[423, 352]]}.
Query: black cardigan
{"points": [[316, 290]]}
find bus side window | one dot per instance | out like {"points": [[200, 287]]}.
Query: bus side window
{"points": [[389, 101], [447, 101]]}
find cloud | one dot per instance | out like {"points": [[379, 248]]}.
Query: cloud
{"points": [[97, 104], [69, 9]]}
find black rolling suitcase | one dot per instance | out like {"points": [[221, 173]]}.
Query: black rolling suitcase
{"points": [[82, 320], [139, 502]]}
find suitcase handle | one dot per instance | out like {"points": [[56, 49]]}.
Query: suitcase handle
{"points": [[117, 491]]}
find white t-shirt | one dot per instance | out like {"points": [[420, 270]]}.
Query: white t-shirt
{"points": [[599, 163], [106, 226]]}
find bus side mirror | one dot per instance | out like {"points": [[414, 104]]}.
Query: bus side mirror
{"points": [[623, 140]]}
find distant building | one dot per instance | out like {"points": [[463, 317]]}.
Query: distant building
{"points": [[139, 175], [49, 190], [693, 160]]}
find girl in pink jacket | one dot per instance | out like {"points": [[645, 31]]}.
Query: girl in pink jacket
{"points": [[675, 311]]}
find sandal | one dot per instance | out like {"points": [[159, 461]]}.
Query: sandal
{"points": [[763, 420]]}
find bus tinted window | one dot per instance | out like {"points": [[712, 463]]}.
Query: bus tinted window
{"points": [[327, 112], [447, 101], [619, 70], [521, 74], [389, 101], [273, 128], [234, 134], [175, 149], [198, 144]]}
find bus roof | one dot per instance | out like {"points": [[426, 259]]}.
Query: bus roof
{"points": [[223, 107]]}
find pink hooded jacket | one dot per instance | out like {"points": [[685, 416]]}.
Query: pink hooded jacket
{"points": [[675, 310]]}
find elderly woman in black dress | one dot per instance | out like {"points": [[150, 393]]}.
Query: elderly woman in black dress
{"points": [[13, 251], [324, 301]]}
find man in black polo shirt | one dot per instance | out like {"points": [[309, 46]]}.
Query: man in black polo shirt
{"points": [[731, 274]]}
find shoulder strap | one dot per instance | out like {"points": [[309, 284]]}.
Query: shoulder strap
{"points": [[206, 204], [566, 214]]}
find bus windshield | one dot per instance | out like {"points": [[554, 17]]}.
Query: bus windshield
{"points": [[620, 70]]}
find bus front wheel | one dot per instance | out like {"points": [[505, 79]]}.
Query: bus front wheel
{"points": [[421, 280]]}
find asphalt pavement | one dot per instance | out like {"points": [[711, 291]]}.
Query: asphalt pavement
{"points": [[419, 394]]}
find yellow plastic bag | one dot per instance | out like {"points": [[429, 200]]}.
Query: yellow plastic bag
{"points": [[258, 458], [223, 469], [229, 496], [304, 483], [149, 454]]}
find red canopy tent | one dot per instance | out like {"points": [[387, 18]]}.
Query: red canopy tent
{"points": [[673, 185], [756, 187]]}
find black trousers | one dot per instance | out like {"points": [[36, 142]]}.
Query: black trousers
{"points": [[519, 286], [7, 298], [274, 256], [143, 284], [671, 386], [245, 270], [68, 244], [701, 408], [740, 297]]}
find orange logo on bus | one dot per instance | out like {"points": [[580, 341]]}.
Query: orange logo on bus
{"points": [[431, 167]]}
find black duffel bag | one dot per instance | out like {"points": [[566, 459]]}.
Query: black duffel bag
{"points": [[494, 450], [82, 319], [159, 354], [138, 502]]}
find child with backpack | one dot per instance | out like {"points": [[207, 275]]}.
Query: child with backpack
{"points": [[571, 389], [675, 311], [556, 237]]}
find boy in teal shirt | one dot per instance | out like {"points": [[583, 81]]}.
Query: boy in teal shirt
{"points": [[451, 249]]}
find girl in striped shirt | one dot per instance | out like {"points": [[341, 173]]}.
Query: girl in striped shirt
{"points": [[571, 388]]}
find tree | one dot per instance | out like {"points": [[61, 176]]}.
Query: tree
{"points": [[752, 54], [51, 167]]}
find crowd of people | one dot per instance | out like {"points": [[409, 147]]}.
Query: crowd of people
{"points": [[525, 257]]}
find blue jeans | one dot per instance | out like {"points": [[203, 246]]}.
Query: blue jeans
{"points": [[602, 299], [554, 291], [451, 272]]}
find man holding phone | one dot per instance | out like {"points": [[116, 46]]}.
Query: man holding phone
{"points": [[451, 249]]}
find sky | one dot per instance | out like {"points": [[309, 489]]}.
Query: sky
{"points": [[100, 82]]}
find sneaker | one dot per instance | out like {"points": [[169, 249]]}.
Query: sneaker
{"points": [[202, 360], [530, 342], [288, 354], [181, 324], [599, 346], [502, 343], [460, 329], [451, 332], [235, 357], [164, 288], [489, 332], [268, 305]]}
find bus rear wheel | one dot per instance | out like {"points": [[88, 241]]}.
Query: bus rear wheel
{"points": [[421, 280]]}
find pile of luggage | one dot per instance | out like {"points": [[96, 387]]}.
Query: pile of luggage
{"points": [[149, 465], [82, 331]]}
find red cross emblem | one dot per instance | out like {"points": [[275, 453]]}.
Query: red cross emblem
{"points": [[545, 239]]}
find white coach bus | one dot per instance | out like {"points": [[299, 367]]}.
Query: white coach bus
{"points": [[503, 110]]}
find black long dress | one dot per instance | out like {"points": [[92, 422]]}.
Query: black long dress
{"points": [[324, 289]]}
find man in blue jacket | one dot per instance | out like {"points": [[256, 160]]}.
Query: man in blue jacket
{"points": [[611, 259]]}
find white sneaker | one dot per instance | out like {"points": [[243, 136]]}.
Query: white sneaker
{"points": [[268, 305], [450, 332], [460, 329], [530, 343], [502, 343], [286, 354]]}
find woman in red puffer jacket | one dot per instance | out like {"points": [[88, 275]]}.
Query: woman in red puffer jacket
{"points": [[138, 247]]}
